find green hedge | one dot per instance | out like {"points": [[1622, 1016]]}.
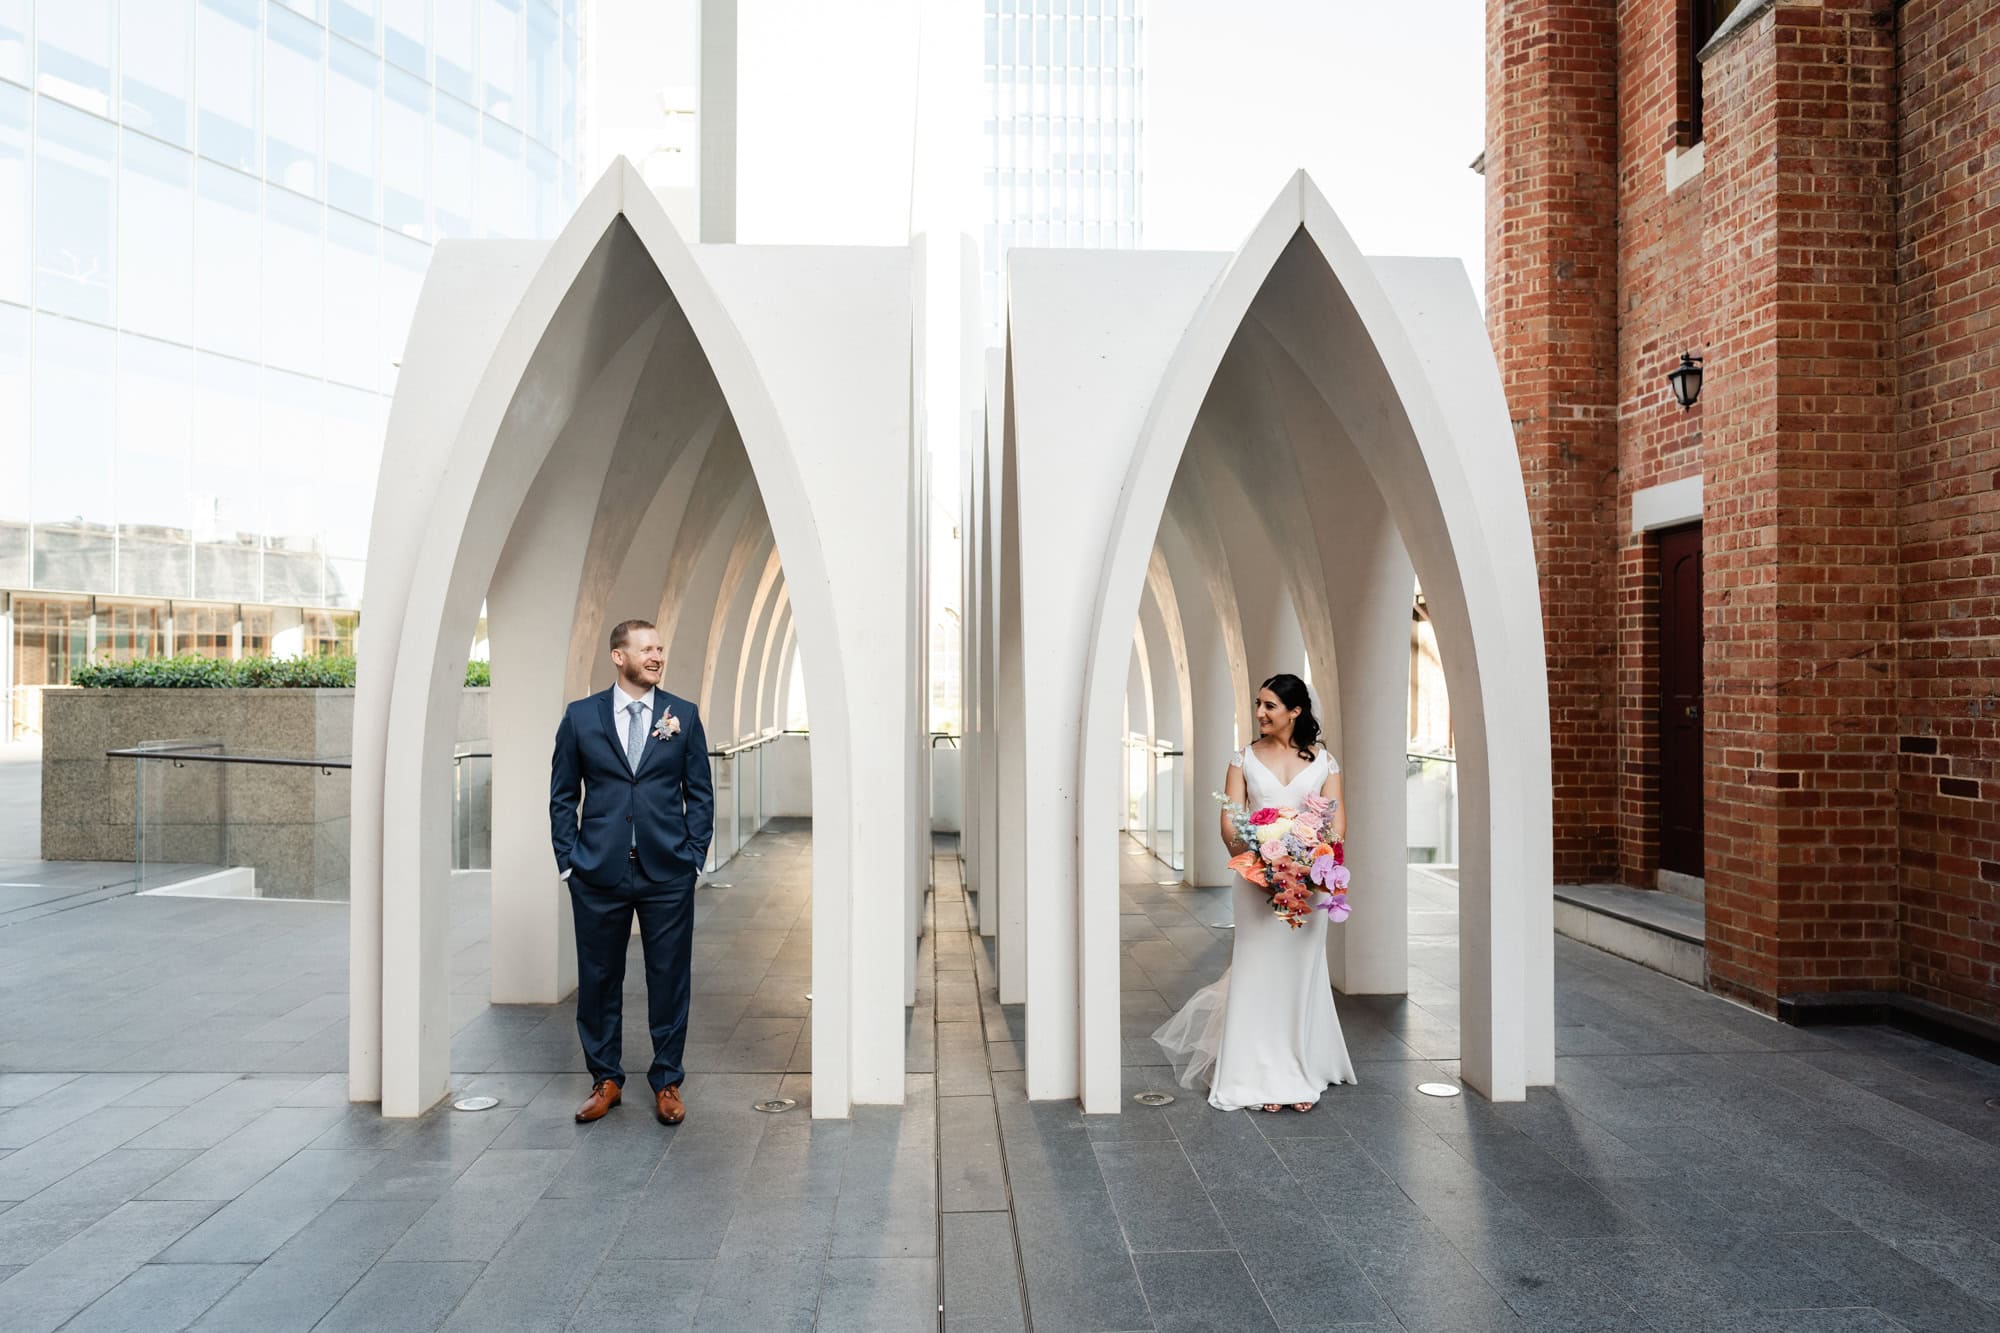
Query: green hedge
{"points": [[189, 672]]}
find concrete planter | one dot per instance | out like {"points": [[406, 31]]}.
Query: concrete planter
{"points": [[289, 824]]}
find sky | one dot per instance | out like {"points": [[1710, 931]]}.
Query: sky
{"points": [[1386, 112]]}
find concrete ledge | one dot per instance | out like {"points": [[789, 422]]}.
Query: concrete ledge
{"points": [[1652, 929]]}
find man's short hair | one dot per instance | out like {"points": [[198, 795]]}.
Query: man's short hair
{"points": [[622, 631]]}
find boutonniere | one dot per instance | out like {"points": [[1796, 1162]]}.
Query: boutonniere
{"points": [[669, 727]]}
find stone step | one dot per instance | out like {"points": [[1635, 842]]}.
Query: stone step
{"points": [[1662, 931]]}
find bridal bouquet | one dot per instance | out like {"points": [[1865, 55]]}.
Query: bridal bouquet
{"points": [[1294, 855]]}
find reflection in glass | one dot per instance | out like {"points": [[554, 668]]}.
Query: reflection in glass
{"points": [[454, 163], [155, 434], [406, 35], [354, 20], [351, 280], [544, 72], [225, 80], [70, 480], [156, 239], [353, 424], [226, 307], [455, 41], [74, 53], [14, 446], [16, 206], [74, 212], [406, 132], [156, 68], [500, 180], [500, 57], [256, 623], [293, 275], [290, 457], [350, 129], [292, 110], [16, 21], [228, 504]]}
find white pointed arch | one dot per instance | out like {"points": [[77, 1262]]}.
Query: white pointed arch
{"points": [[459, 464], [1441, 453]]}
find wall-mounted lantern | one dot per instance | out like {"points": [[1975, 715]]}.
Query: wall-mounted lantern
{"points": [[1686, 380]]}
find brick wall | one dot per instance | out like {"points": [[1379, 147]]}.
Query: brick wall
{"points": [[1948, 330], [1837, 258], [1551, 263]]}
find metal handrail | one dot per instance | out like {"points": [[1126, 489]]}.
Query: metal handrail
{"points": [[325, 765]]}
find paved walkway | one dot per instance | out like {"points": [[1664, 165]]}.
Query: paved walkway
{"points": [[176, 1149]]}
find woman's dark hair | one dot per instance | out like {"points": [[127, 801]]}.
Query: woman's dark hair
{"points": [[1292, 693]]}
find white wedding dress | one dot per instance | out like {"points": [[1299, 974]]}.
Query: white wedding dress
{"points": [[1266, 1032]]}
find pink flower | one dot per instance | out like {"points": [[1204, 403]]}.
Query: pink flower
{"points": [[1273, 851], [1268, 815], [1336, 907]]}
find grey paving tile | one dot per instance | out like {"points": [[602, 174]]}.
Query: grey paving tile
{"points": [[52, 1289], [250, 1228], [28, 1170], [539, 1276], [1326, 1289], [972, 1178], [1076, 1268], [473, 1218], [982, 1279], [31, 1229], [248, 1155], [1160, 1203], [309, 1273], [864, 1295], [402, 1296], [159, 1296], [768, 1270], [642, 1296], [1193, 1292], [892, 1216], [64, 1104]]}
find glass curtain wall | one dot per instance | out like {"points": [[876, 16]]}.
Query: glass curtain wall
{"points": [[1065, 85], [215, 216]]}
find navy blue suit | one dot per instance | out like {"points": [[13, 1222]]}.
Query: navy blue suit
{"points": [[640, 843]]}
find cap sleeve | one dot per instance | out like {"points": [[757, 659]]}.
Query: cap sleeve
{"points": [[1236, 760], [1332, 764]]}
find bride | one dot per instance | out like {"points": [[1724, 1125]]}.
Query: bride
{"points": [[1266, 1034]]}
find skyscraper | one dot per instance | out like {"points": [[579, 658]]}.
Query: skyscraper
{"points": [[1065, 88], [215, 216]]}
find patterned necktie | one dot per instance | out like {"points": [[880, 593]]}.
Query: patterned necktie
{"points": [[635, 734]]}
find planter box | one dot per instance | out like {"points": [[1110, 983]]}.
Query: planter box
{"points": [[289, 824]]}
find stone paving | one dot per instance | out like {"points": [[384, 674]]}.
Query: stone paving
{"points": [[176, 1150]]}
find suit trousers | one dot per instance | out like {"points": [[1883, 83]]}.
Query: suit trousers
{"points": [[665, 909]]}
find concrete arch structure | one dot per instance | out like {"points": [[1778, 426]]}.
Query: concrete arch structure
{"points": [[580, 426], [1375, 377]]}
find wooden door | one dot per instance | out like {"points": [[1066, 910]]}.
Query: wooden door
{"points": [[1680, 701]]}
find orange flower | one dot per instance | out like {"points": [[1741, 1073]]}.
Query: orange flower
{"points": [[1251, 867]]}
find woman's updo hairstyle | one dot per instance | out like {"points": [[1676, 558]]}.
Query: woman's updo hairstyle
{"points": [[1292, 693]]}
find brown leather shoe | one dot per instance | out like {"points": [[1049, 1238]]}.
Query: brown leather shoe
{"points": [[668, 1105], [603, 1097]]}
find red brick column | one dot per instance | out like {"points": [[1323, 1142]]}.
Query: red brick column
{"points": [[1800, 490], [1551, 303], [1950, 460]]}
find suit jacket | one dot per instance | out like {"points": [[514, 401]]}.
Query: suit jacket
{"points": [[668, 799]]}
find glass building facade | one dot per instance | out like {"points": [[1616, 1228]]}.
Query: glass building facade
{"points": [[1065, 88], [215, 216]]}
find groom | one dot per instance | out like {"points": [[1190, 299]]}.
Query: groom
{"points": [[639, 755]]}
